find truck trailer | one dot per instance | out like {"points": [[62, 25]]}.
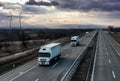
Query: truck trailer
{"points": [[48, 53], [74, 40]]}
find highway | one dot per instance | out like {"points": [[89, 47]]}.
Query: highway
{"points": [[33, 72], [107, 61]]}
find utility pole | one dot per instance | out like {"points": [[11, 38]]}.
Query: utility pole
{"points": [[20, 25], [10, 26], [21, 31]]}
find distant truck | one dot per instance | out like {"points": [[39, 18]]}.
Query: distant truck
{"points": [[74, 40], [48, 53], [87, 34]]}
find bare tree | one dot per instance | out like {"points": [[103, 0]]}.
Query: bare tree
{"points": [[110, 29]]}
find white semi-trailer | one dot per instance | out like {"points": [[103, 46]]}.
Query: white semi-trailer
{"points": [[87, 34], [74, 40], [48, 53]]}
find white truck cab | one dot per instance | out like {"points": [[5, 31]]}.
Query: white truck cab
{"points": [[74, 40], [87, 34]]}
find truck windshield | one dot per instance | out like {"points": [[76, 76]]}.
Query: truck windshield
{"points": [[43, 55], [73, 40]]}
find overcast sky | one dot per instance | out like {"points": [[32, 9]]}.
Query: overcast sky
{"points": [[100, 12]]}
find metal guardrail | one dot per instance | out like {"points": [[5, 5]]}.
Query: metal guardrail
{"points": [[88, 77], [96, 51], [72, 69]]}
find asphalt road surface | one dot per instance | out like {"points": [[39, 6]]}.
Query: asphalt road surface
{"points": [[107, 61], [33, 72]]}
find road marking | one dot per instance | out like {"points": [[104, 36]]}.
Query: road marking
{"points": [[105, 48], [113, 74], [37, 79], [65, 48], [54, 65], [23, 73], [107, 53], [109, 61], [66, 55]]}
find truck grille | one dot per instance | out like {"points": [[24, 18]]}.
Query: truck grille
{"points": [[43, 60]]}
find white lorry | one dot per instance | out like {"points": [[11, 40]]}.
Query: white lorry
{"points": [[74, 40], [48, 53], [87, 34]]}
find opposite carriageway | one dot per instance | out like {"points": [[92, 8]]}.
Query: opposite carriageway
{"points": [[107, 61]]}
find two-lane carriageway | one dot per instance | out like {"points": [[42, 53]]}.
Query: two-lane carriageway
{"points": [[107, 61], [53, 72]]}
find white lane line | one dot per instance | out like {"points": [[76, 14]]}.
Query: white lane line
{"points": [[109, 60], [23, 73], [66, 55], [113, 74], [37, 79], [105, 48], [65, 48], [107, 53], [54, 65]]}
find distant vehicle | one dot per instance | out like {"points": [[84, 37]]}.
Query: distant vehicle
{"points": [[48, 53], [74, 40], [87, 34]]}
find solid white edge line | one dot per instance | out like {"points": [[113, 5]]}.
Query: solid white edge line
{"points": [[113, 73], [23, 73]]}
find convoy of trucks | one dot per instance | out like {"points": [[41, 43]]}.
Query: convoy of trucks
{"points": [[48, 53], [52, 51], [74, 40]]}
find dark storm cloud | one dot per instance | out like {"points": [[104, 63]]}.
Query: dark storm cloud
{"points": [[83, 5], [33, 9], [1, 4], [33, 2], [90, 5], [114, 15]]}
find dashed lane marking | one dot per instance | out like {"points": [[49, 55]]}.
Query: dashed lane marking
{"points": [[54, 65], [23, 73], [37, 79], [113, 73], [107, 53], [109, 60]]}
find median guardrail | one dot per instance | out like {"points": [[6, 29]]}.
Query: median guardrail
{"points": [[72, 69]]}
